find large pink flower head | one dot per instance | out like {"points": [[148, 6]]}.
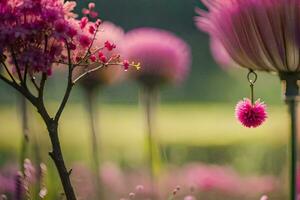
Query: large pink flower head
{"points": [[220, 54], [257, 34], [164, 57], [110, 34], [251, 115]]}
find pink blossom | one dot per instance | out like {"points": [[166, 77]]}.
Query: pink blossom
{"points": [[109, 46], [249, 115], [85, 41], [163, 56]]}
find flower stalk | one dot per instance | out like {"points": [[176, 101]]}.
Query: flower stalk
{"points": [[94, 136], [292, 97], [25, 131], [149, 99]]}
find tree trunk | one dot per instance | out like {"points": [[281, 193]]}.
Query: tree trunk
{"points": [[58, 159]]}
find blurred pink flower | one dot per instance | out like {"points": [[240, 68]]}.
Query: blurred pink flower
{"points": [[249, 115], [260, 35], [163, 56], [209, 178], [220, 54]]}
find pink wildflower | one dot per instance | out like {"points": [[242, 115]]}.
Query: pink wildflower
{"points": [[109, 46], [249, 115], [84, 41]]}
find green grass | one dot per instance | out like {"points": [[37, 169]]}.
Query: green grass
{"points": [[122, 127]]}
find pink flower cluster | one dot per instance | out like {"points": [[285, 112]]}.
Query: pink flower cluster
{"points": [[36, 34]]}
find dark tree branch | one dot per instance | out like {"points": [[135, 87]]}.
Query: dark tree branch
{"points": [[16, 65], [69, 86], [8, 72]]}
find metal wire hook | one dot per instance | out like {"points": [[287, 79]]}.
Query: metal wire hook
{"points": [[252, 78]]}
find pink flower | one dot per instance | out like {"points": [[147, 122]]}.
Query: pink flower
{"points": [[93, 58], [84, 41], [257, 34], [60, 26], [163, 56], [92, 29], [264, 198], [126, 65], [249, 115], [189, 197], [220, 54], [83, 22], [109, 46], [90, 11]]}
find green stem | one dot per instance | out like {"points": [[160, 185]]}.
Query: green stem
{"points": [[94, 134], [150, 100], [25, 132]]}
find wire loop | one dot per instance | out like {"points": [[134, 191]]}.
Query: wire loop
{"points": [[252, 77]]}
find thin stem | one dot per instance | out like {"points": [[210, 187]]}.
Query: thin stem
{"points": [[149, 100], [70, 85], [25, 129], [93, 117], [8, 72], [87, 72], [293, 148]]}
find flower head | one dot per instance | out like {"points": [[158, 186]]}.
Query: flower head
{"points": [[220, 54], [163, 56], [260, 35], [251, 115]]}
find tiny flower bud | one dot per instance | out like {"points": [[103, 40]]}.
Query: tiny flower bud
{"points": [[84, 41], [103, 59], [83, 22], [126, 65], [85, 11], [92, 29], [93, 58], [71, 32], [91, 6], [109, 46], [72, 46], [131, 195]]}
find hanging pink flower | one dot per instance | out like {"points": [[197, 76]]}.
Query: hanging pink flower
{"points": [[251, 115], [164, 57]]}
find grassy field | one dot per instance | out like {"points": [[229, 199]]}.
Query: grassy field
{"points": [[122, 127]]}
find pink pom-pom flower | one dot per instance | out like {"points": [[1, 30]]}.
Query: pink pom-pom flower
{"points": [[251, 115]]}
